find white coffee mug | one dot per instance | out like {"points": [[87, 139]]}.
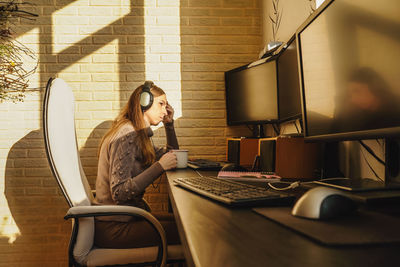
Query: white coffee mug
{"points": [[182, 157]]}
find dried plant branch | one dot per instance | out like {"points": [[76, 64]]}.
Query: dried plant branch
{"points": [[312, 6], [13, 74], [275, 19]]}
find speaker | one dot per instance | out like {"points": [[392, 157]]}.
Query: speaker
{"points": [[248, 151], [146, 97], [392, 159], [243, 151], [267, 154], [233, 150], [297, 159]]}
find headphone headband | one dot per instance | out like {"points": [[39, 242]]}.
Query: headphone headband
{"points": [[147, 85]]}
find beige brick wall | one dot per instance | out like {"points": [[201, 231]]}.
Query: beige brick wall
{"points": [[104, 49]]}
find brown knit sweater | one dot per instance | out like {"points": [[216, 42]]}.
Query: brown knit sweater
{"points": [[121, 178]]}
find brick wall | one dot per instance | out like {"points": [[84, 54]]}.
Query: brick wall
{"points": [[104, 49]]}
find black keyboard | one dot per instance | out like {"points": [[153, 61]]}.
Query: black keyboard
{"points": [[204, 164], [233, 193]]}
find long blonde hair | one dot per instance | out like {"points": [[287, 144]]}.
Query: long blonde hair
{"points": [[132, 113]]}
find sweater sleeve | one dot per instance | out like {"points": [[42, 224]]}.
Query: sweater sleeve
{"points": [[123, 159], [172, 141]]}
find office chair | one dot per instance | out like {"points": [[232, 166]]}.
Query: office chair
{"points": [[63, 156]]}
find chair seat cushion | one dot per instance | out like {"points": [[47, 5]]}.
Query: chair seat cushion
{"points": [[102, 256]]}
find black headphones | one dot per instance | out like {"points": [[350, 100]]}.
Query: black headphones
{"points": [[146, 97]]}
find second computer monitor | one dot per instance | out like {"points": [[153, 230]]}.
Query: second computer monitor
{"points": [[251, 94], [288, 83]]}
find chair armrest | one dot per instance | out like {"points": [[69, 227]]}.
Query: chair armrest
{"points": [[108, 210]]}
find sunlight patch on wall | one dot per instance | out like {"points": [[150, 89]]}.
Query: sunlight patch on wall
{"points": [[163, 49], [318, 3], [74, 23], [18, 120], [8, 228]]}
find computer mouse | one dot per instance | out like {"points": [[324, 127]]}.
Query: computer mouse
{"points": [[323, 203], [229, 167]]}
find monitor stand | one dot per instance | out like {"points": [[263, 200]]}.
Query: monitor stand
{"points": [[258, 131], [358, 185]]}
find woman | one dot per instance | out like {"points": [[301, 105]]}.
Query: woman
{"points": [[128, 163]]}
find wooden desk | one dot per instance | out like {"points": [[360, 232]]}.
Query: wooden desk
{"points": [[213, 235]]}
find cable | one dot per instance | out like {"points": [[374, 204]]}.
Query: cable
{"points": [[249, 127], [379, 143], [335, 178], [370, 151], [199, 173], [290, 186], [370, 167], [276, 130], [301, 125], [295, 124], [297, 183]]}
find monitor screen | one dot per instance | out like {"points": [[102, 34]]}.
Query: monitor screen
{"points": [[349, 61], [251, 94], [288, 83]]}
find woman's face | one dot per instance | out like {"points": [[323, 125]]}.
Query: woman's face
{"points": [[362, 97], [155, 114]]}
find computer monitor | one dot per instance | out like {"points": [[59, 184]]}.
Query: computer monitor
{"points": [[251, 94], [289, 104], [349, 62]]}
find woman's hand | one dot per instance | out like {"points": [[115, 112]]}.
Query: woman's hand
{"points": [[170, 114], [168, 161]]}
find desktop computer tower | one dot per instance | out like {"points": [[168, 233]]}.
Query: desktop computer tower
{"points": [[297, 159]]}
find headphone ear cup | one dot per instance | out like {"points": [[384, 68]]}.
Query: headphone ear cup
{"points": [[146, 97], [146, 100]]}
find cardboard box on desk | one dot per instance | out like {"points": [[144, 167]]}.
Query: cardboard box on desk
{"points": [[297, 159]]}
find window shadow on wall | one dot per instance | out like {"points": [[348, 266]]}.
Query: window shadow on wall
{"points": [[36, 203]]}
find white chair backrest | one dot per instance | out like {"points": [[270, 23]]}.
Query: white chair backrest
{"points": [[61, 144], [63, 154]]}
